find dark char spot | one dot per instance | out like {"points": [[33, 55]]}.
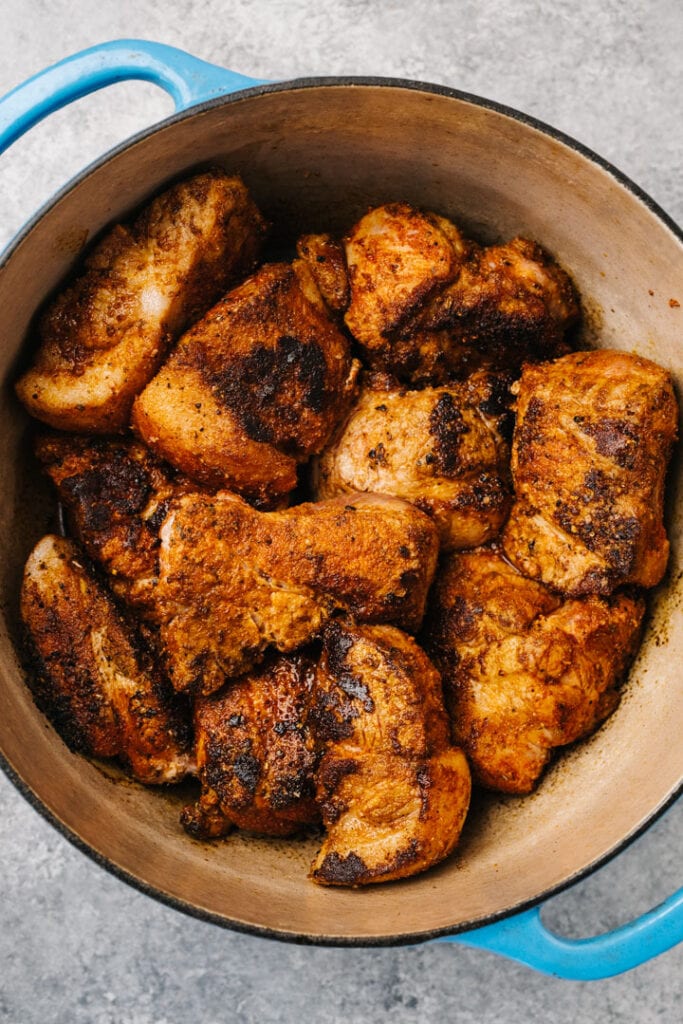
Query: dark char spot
{"points": [[247, 769], [342, 870], [447, 426], [259, 388], [104, 493]]}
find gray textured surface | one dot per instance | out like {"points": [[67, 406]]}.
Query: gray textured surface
{"points": [[78, 946]]}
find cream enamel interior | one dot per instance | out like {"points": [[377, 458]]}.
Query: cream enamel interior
{"points": [[315, 158]]}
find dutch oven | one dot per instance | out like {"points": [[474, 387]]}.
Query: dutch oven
{"points": [[316, 153]]}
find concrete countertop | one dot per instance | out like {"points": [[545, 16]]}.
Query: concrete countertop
{"points": [[77, 945]]}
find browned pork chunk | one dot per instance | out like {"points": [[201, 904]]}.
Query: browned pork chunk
{"points": [[593, 436], [255, 755], [428, 305], [116, 493], [327, 263], [444, 449], [234, 581], [510, 304], [398, 258], [393, 791], [254, 388], [524, 670], [105, 336], [92, 675]]}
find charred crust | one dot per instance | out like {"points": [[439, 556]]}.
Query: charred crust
{"points": [[333, 769], [331, 717], [190, 820], [257, 752], [55, 705], [487, 493], [256, 387], [447, 426], [199, 666], [601, 529], [338, 870], [616, 439], [337, 645], [459, 621], [497, 396], [356, 689], [293, 787], [205, 819], [529, 429], [154, 522], [105, 493]]}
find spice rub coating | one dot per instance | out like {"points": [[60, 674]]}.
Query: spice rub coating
{"points": [[592, 440], [524, 669], [92, 675], [255, 755], [234, 581], [444, 449], [254, 388], [393, 791], [511, 303], [327, 262], [397, 258], [104, 337], [428, 305], [117, 494]]}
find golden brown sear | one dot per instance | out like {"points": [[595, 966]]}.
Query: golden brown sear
{"points": [[393, 791], [255, 755], [254, 388], [524, 669], [593, 436], [289, 627], [444, 449], [234, 581], [104, 337], [92, 675], [117, 494], [327, 262], [427, 305], [398, 258], [510, 304]]}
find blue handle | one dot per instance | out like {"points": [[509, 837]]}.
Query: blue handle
{"points": [[187, 79], [525, 938]]}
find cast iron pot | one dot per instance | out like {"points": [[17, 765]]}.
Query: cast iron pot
{"points": [[316, 153]]}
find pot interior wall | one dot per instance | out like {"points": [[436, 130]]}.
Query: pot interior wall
{"points": [[315, 158]]}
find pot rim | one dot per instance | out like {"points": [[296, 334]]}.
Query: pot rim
{"points": [[353, 81], [32, 797], [306, 939]]}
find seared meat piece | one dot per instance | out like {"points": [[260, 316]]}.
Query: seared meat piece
{"points": [[327, 263], [397, 259], [393, 792], [428, 306], [91, 675], [104, 337], [445, 449], [593, 437], [117, 494], [234, 581], [254, 388], [510, 304], [255, 755], [524, 670]]}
